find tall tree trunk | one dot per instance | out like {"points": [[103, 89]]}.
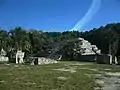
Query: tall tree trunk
{"points": [[113, 48]]}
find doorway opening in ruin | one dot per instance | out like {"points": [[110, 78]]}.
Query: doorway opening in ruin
{"points": [[18, 60], [36, 62]]}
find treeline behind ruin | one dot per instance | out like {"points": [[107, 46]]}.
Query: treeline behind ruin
{"points": [[38, 43]]}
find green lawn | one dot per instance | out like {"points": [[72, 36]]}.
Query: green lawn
{"points": [[61, 76]]}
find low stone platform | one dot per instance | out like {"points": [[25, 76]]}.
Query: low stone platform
{"points": [[42, 60], [86, 58], [4, 59], [103, 59]]}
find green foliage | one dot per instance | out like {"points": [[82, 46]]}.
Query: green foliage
{"points": [[39, 43]]}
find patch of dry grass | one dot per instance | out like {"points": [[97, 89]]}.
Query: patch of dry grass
{"points": [[43, 77]]}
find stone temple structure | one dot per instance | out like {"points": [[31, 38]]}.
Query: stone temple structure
{"points": [[88, 48], [91, 52], [19, 57], [41, 61], [3, 57]]}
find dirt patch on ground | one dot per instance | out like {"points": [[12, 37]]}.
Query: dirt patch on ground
{"points": [[62, 78], [77, 64], [116, 74], [107, 69], [89, 69], [72, 70], [108, 81]]}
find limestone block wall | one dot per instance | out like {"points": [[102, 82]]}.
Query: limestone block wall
{"points": [[43, 60], [103, 59], [87, 58], [4, 59], [89, 49]]}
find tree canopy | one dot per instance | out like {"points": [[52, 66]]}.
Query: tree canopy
{"points": [[38, 43]]}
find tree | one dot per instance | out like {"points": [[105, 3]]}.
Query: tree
{"points": [[20, 40], [114, 37], [4, 39]]}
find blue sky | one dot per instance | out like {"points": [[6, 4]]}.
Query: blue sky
{"points": [[55, 15]]}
